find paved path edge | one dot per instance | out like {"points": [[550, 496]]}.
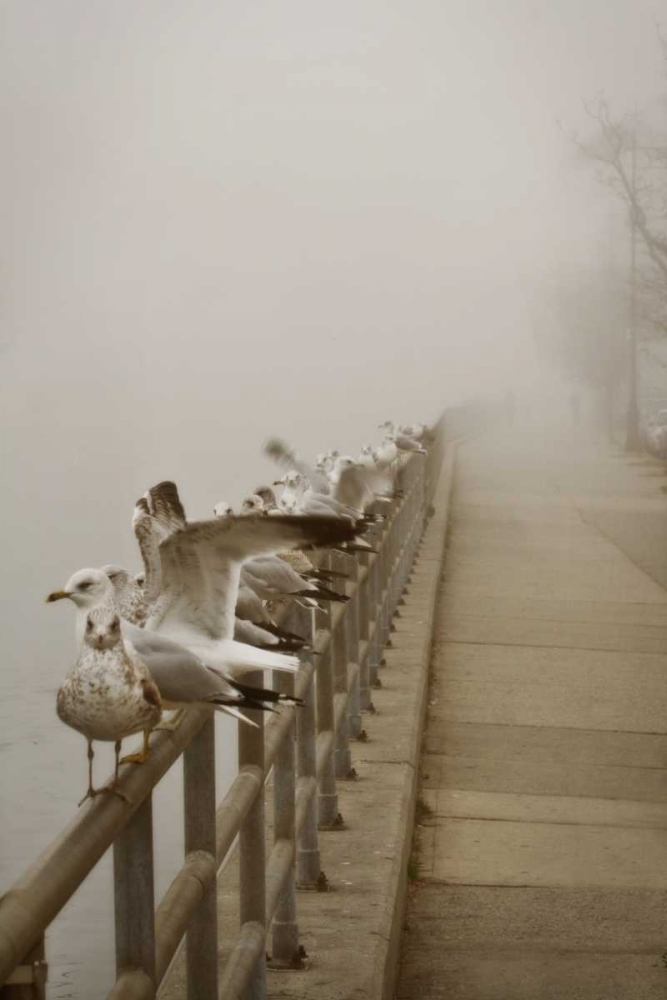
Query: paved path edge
{"points": [[429, 565]]}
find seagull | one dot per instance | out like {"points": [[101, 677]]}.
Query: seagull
{"points": [[199, 569], [109, 694], [283, 455], [129, 594], [268, 498], [256, 635], [294, 484], [366, 457], [418, 432], [273, 578], [403, 437], [250, 609], [252, 504], [405, 443], [181, 678], [300, 562], [223, 509], [357, 487], [387, 453]]}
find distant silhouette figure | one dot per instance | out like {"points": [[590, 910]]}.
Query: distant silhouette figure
{"points": [[510, 406]]}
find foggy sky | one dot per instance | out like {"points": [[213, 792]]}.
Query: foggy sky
{"points": [[222, 220]]}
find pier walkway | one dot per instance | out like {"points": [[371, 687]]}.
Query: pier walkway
{"points": [[542, 837]]}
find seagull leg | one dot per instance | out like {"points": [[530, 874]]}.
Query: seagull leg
{"points": [[115, 784], [116, 750], [172, 724], [92, 792], [142, 756]]}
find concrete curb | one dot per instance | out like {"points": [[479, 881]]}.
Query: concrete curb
{"points": [[422, 596]]}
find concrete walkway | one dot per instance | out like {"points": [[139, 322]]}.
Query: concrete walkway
{"points": [[543, 859]]}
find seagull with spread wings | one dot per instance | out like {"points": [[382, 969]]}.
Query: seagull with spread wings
{"points": [[199, 570], [357, 486], [287, 458]]}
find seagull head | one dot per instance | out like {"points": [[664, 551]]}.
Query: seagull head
{"points": [[292, 480], [102, 632], [223, 509], [87, 588], [266, 495], [252, 505], [119, 577]]}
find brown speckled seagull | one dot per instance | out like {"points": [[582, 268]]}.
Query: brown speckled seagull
{"points": [[109, 694]]}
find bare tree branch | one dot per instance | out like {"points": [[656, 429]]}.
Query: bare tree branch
{"points": [[616, 142]]}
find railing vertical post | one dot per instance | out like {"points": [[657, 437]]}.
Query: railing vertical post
{"points": [[353, 638], [399, 542], [252, 844], [199, 810], [134, 893], [385, 577], [34, 965], [327, 794], [308, 853], [376, 593], [285, 929], [364, 614], [343, 761]]}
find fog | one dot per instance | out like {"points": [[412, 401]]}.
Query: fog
{"points": [[224, 220]]}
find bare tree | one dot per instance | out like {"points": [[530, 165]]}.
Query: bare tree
{"points": [[641, 186]]}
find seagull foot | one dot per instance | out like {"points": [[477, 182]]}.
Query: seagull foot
{"points": [[133, 758], [171, 725], [112, 788]]}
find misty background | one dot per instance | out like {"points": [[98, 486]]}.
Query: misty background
{"points": [[222, 221]]}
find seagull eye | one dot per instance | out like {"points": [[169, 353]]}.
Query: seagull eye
{"points": [[85, 585]]}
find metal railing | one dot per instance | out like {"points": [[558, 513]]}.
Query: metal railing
{"points": [[307, 751]]}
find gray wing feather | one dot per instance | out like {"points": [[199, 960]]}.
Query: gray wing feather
{"points": [[181, 677], [201, 563], [250, 608], [245, 631], [278, 575], [281, 453], [357, 486]]}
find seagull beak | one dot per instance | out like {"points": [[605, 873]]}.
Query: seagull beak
{"points": [[57, 595]]}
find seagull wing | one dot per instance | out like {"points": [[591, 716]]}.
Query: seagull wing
{"points": [[165, 505], [357, 486], [201, 565], [318, 503], [157, 514], [181, 677], [282, 454]]}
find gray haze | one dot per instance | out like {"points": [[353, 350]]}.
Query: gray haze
{"points": [[222, 220]]}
